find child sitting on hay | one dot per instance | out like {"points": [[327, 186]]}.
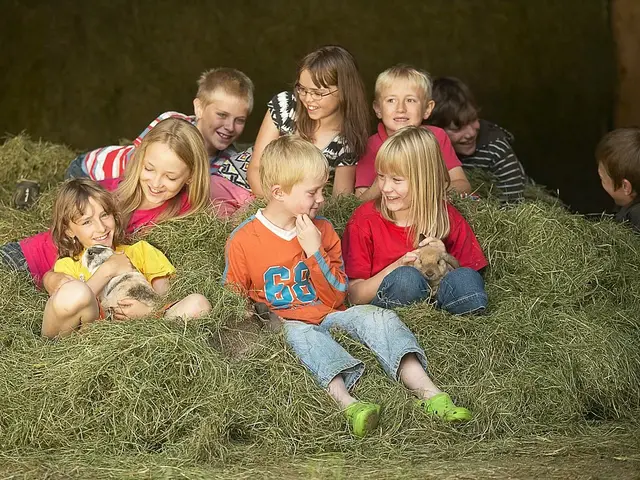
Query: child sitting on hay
{"points": [[402, 99], [85, 215], [382, 236], [618, 157], [167, 177], [290, 259]]}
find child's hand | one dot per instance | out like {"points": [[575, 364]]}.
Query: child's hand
{"points": [[407, 259], [129, 308], [117, 264], [433, 242], [308, 235]]}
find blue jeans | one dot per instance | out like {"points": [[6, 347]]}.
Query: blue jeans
{"points": [[13, 257], [75, 169], [379, 329], [461, 290]]}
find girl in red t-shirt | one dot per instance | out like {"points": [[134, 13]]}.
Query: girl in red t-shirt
{"points": [[382, 236]]}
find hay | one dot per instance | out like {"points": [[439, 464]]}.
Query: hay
{"points": [[559, 351]]}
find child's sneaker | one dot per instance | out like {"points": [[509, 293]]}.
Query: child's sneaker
{"points": [[26, 194], [442, 406], [363, 417]]}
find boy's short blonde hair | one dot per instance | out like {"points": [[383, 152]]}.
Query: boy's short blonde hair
{"points": [[289, 160], [232, 81], [619, 153], [419, 78]]}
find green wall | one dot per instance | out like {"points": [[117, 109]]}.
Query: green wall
{"points": [[89, 73]]}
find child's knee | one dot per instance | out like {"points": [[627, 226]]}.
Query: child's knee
{"points": [[72, 297], [196, 305], [403, 286]]}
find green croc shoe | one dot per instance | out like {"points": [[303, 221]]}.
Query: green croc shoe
{"points": [[363, 417], [442, 406]]}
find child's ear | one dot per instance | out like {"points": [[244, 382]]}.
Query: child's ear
{"points": [[277, 192], [377, 109], [627, 188], [197, 108], [429, 108]]}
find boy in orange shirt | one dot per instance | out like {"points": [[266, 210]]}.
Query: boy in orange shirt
{"points": [[291, 260]]}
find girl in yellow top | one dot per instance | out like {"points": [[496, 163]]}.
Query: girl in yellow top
{"points": [[84, 214]]}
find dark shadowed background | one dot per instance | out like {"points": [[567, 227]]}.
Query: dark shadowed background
{"points": [[89, 73]]}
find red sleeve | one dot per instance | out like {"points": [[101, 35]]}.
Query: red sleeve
{"points": [[357, 245], [366, 167], [327, 271], [462, 242]]}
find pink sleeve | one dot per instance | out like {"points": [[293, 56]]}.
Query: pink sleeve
{"points": [[357, 249], [448, 153], [40, 253], [462, 242], [365, 168], [110, 184]]}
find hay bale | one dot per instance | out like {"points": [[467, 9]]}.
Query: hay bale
{"points": [[42, 161], [558, 349]]}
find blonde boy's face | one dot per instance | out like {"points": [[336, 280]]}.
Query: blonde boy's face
{"points": [[402, 104], [305, 197], [222, 120], [623, 195]]}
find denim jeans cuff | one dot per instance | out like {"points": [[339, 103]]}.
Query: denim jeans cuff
{"points": [[466, 299], [394, 373], [351, 373]]}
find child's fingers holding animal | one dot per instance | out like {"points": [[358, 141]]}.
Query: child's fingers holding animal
{"points": [[433, 242], [118, 263], [408, 258], [130, 308]]}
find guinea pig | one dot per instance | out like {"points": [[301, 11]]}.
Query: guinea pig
{"points": [[434, 265], [126, 285]]}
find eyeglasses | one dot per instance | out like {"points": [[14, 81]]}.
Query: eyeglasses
{"points": [[314, 94]]}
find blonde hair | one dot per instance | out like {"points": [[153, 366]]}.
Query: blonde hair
{"points": [[187, 143], [287, 161], [418, 78], [330, 66], [70, 204], [232, 81], [414, 153]]}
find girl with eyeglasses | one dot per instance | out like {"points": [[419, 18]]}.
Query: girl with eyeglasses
{"points": [[328, 108]]}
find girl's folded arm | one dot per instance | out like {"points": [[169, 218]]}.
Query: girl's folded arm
{"points": [[116, 264], [52, 281], [267, 133], [362, 291], [160, 285], [344, 180]]}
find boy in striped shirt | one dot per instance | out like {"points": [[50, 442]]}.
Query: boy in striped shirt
{"points": [[290, 259], [478, 143]]}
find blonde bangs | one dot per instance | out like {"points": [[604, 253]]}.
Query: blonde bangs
{"points": [[289, 160], [418, 79], [187, 143]]}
